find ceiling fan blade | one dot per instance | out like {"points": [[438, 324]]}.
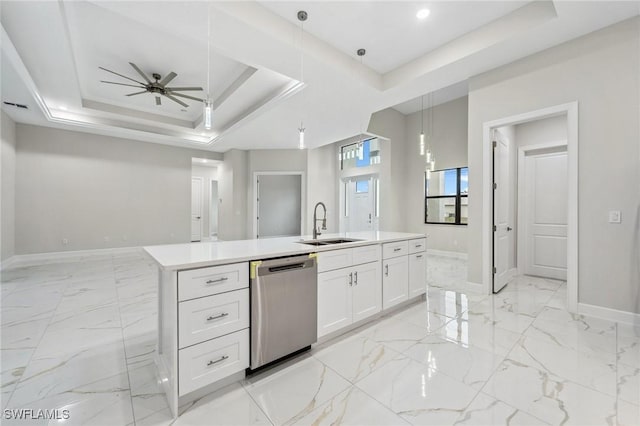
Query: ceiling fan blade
{"points": [[186, 96], [176, 100], [120, 75], [182, 89], [135, 67], [167, 78], [158, 101], [122, 84], [136, 93]]}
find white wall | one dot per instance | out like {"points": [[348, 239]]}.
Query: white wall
{"points": [[601, 72], [552, 129], [7, 196], [232, 210], [322, 178], [207, 174], [391, 124], [449, 145], [84, 187]]}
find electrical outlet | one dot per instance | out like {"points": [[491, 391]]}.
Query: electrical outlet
{"points": [[65, 241], [615, 216]]}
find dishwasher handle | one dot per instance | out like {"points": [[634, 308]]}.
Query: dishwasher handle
{"points": [[283, 268], [280, 266]]}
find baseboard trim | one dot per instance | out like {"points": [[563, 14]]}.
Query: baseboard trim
{"points": [[444, 253], [38, 258], [608, 313], [8, 263]]}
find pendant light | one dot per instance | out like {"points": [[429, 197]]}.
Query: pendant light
{"points": [[207, 112], [422, 147], [361, 52], [302, 16]]}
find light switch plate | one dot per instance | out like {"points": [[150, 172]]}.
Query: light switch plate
{"points": [[615, 216]]}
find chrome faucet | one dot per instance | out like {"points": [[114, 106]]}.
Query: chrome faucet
{"points": [[315, 219]]}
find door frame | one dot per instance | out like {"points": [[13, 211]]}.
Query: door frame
{"points": [[521, 237], [217, 181], [201, 203], [303, 198], [571, 110]]}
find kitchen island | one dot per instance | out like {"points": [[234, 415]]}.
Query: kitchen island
{"points": [[203, 298]]}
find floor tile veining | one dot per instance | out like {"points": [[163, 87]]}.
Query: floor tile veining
{"points": [[80, 335]]}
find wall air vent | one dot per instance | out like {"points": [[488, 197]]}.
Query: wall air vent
{"points": [[23, 106]]}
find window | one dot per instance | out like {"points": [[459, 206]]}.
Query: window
{"points": [[446, 197], [360, 154]]}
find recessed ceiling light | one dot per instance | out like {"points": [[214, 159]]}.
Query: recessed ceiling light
{"points": [[423, 13]]}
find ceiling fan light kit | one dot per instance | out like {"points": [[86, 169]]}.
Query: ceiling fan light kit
{"points": [[157, 86]]}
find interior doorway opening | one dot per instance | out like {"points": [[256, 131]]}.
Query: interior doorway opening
{"points": [[205, 199], [278, 204], [530, 200]]}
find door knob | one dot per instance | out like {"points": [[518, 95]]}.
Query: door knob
{"points": [[197, 217], [509, 228]]}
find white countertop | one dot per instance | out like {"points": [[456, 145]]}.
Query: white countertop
{"points": [[196, 255]]}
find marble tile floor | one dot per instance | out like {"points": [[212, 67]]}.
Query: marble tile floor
{"points": [[80, 335]]}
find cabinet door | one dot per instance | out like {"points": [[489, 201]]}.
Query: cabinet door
{"points": [[334, 300], [366, 290], [395, 281], [417, 274]]}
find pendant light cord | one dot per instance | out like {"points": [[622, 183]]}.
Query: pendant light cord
{"points": [[208, 50], [302, 71]]}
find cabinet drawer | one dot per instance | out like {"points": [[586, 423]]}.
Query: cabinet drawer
{"points": [[418, 245], [213, 280], [366, 254], [208, 362], [396, 249], [212, 316], [334, 259]]}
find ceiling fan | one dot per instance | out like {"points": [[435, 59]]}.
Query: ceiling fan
{"points": [[157, 87]]}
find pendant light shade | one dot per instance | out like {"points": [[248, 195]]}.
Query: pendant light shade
{"points": [[302, 16], [208, 113], [422, 144], [422, 147], [301, 141]]}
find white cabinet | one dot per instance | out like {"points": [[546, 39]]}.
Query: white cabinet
{"points": [[334, 300], [366, 291], [349, 289], [417, 274], [395, 281]]}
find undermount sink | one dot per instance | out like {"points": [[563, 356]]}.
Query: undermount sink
{"points": [[328, 241]]}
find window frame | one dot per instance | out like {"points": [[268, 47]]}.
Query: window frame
{"points": [[458, 198]]}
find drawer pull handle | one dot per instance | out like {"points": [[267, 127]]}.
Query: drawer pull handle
{"points": [[219, 280], [350, 279], [355, 274], [418, 245], [222, 315], [386, 270], [419, 256], [397, 249], [222, 358]]}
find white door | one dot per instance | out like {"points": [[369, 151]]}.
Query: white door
{"points": [[417, 274], [279, 205], [502, 243], [196, 208], [334, 300], [545, 215], [367, 290], [395, 281], [362, 198]]}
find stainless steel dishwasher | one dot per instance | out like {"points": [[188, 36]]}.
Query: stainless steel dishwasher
{"points": [[284, 307]]}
